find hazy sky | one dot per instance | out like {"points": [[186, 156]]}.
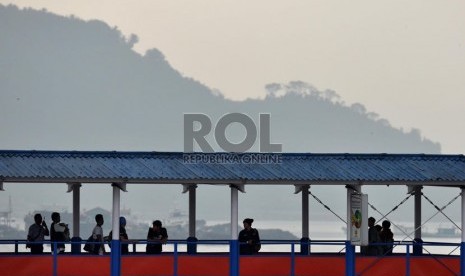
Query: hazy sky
{"points": [[404, 60]]}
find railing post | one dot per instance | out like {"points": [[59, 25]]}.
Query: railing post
{"points": [[233, 258], [292, 259], [16, 247], [76, 243], [55, 260], [115, 257], [175, 261], [407, 261], [192, 245], [305, 246], [462, 258], [350, 259]]}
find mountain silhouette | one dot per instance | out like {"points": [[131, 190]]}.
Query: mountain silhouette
{"points": [[81, 76], [72, 84]]}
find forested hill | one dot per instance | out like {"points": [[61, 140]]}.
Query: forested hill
{"points": [[71, 84]]}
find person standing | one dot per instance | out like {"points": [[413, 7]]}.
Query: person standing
{"points": [[249, 238], [123, 236], [373, 238], [59, 232], [97, 235], [156, 236], [36, 234], [387, 237]]}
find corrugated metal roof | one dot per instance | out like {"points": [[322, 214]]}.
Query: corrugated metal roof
{"points": [[285, 168]]}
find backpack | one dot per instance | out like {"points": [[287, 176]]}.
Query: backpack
{"points": [[91, 245], [59, 236]]}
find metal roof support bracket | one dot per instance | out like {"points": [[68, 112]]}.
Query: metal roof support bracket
{"points": [[411, 188], [72, 186], [355, 188], [299, 188], [185, 187], [121, 186], [239, 187]]}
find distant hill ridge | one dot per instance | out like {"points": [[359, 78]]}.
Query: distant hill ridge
{"points": [[88, 73], [71, 84]]}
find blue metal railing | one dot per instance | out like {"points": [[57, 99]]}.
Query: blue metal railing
{"points": [[233, 252]]}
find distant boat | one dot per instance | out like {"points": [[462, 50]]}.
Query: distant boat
{"points": [[443, 232], [439, 232]]}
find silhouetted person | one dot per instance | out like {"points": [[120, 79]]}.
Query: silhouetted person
{"points": [[123, 236], [97, 235], [37, 233], [59, 232], [249, 238], [373, 237], [387, 237], [156, 236]]}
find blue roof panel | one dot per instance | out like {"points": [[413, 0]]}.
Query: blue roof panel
{"points": [[172, 167]]}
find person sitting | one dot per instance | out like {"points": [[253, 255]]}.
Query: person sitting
{"points": [[156, 236]]}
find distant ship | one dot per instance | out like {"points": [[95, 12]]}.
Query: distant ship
{"points": [[443, 232]]}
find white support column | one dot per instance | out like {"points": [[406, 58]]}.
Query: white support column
{"points": [[348, 216], [115, 242], [417, 211], [235, 208], [76, 210], [76, 189], [115, 213], [192, 210], [116, 208], [192, 239], [462, 244], [234, 212], [191, 188], [463, 215], [305, 211]]}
